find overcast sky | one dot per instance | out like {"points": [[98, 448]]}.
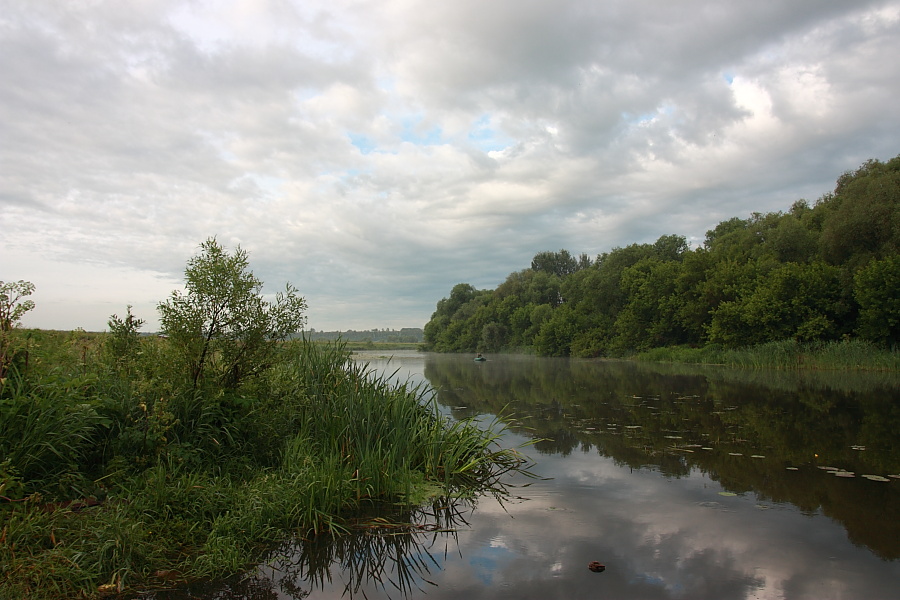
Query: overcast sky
{"points": [[375, 154]]}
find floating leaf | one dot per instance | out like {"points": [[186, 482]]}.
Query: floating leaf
{"points": [[757, 456], [876, 477], [706, 448], [894, 476], [792, 469], [727, 494], [829, 468], [735, 454], [844, 474]]}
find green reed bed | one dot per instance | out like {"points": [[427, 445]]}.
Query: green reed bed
{"points": [[791, 354], [120, 474], [786, 354]]}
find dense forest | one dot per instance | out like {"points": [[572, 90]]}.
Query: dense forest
{"points": [[829, 271]]}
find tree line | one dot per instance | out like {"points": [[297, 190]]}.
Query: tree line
{"points": [[821, 272]]}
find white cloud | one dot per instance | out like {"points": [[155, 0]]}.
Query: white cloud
{"points": [[376, 154]]}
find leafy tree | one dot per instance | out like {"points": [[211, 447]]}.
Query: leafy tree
{"points": [[671, 247], [12, 303], [12, 307], [791, 301], [810, 273], [493, 337], [555, 335], [559, 263], [648, 319], [221, 323], [863, 215], [877, 290], [792, 241], [123, 343]]}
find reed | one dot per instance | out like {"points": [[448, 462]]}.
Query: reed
{"points": [[189, 483], [854, 354]]}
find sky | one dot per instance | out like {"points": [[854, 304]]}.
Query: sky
{"points": [[375, 154]]}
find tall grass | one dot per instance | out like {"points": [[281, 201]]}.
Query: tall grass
{"points": [[191, 483], [786, 354]]}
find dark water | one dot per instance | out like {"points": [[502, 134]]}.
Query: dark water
{"points": [[685, 483]]}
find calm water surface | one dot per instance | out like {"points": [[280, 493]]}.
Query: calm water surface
{"points": [[685, 483]]}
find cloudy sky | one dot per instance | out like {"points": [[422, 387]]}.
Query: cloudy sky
{"points": [[376, 153]]}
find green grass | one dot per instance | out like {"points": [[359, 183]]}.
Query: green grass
{"points": [[199, 483], [786, 354]]}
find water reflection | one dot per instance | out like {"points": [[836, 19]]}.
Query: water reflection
{"points": [[772, 440], [681, 481], [389, 552]]}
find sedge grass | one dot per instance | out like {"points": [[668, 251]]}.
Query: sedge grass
{"points": [[200, 483], [857, 355]]}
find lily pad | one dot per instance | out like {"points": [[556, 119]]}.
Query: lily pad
{"points": [[875, 477], [727, 494], [735, 454], [792, 468], [847, 474], [757, 456]]}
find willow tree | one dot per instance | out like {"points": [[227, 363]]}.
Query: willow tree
{"points": [[221, 324]]}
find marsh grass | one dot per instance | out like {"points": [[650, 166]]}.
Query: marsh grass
{"points": [[186, 483], [786, 354]]}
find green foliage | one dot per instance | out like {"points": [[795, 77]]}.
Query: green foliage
{"points": [[559, 263], [863, 215], [221, 323], [12, 307], [124, 343], [47, 431], [800, 301], [12, 303], [813, 273], [118, 464], [877, 290]]}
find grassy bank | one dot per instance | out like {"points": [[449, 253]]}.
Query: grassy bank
{"points": [[786, 354], [117, 472]]}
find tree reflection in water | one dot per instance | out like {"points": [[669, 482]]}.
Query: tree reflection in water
{"points": [[393, 553]]}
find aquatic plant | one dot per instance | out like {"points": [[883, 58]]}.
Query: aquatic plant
{"points": [[130, 478]]}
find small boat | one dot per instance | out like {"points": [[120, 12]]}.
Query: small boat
{"points": [[480, 358]]}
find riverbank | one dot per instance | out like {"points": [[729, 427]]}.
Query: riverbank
{"points": [[116, 474], [785, 354]]}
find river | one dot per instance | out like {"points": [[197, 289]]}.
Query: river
{"points": [[684, 482]]}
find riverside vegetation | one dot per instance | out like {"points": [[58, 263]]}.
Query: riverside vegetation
{"points": [[815, 286], [132, 462]]}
